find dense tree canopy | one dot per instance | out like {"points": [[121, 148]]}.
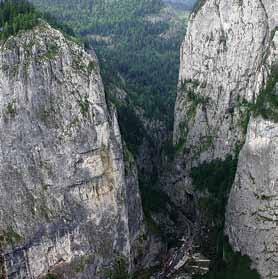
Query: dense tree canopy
{"points": [[16, 15]]}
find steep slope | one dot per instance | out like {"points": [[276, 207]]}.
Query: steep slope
{"points": [[227, 60], [220, 70], [138, 48], [67, 205], [137, 39], [252, 210]]}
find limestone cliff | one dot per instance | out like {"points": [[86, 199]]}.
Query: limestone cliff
{"points": [[68, 205], [222, 67], [228, 64], [251, 220]]}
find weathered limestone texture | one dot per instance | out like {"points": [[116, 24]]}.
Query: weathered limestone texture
{"points": [[222, 67], [63, 190], [251, 219], [227, 60]]}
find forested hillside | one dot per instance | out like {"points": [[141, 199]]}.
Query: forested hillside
{"points": [[17, 15], [139, 39], [137, 43], [182, 4]]}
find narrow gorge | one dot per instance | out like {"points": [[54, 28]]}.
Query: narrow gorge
{"points": [[123, 157]]}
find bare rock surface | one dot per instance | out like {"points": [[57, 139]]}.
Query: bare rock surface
{"points": [[227, 60], [64, 204]]}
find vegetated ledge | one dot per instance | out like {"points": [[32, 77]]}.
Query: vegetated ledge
{"points": [[266, 104], [267, 101]]}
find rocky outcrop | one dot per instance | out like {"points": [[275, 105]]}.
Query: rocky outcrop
{"points": [[221, 72], [251, 220], [228, 58], [221, 68], [67, 205]]}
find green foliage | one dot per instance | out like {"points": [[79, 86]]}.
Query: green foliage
{"points": [[52, 51], [131, 127], [88, 15], [180, 146], [245, 118], [11, 109], [17, 15], [80, 264], [84, 105], [181, 4], [12, 237], [146, 274], [51, 276], [217, 176], [198, 5], [267, 102], [118, 271], [232, 266], [273, 32], [189, 89], [215, 180], [129, 44], [91, 67], [196, 99]]}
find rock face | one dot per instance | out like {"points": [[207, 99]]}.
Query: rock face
{"points": [[227, 59], [222, 67], [251, 220], [67, 204]]}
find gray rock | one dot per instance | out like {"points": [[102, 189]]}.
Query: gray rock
{"points": [[226, 61], [66, 204], [251, 218], [222, 66]]}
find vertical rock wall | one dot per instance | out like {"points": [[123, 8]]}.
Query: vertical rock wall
{"points": [[65, 197]]}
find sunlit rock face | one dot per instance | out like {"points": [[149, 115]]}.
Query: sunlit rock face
{"points": [[251, 219], [63, 187], [227, 60], [222, 68]]}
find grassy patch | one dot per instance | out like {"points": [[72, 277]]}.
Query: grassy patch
{"points": [[11, 109], [92, 67], [84, 105]]}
